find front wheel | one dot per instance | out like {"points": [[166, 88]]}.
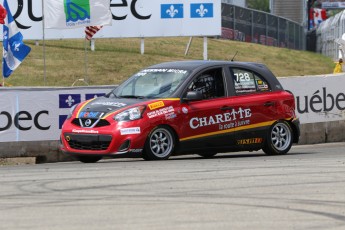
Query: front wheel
{"points": [[279, 140], [160, 144]]}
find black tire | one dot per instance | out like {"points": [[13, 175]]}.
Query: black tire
{"points": [[89, 159], [279, 140], [160, 144], [207, 154]]}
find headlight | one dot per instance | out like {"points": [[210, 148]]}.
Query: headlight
{"points": [[130, 114], [71, 110]]}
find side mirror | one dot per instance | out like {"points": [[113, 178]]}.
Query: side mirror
{"points": [[193, 96]]}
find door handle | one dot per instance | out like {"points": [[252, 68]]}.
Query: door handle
{"points": [[269, 103], [226, 108]]}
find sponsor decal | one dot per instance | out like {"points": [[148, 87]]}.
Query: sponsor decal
{"points": [[85, 131], [170, 116], [223, 119], [184, 110], [109, 103], [170, 11], [145, 71], [127, 131], [156, 105], [68, 100], [201, 10], [163, 111], [250, 141], [89, 114]]}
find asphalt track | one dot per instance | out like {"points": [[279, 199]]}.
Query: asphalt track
{"points": [[302, 190]]}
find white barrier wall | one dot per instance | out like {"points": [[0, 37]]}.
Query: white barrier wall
{"points": [[37, 114], [318, 98]]}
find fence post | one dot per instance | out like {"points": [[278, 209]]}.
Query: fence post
{"points": [[252, 26], [266, 29], [278, 29]]}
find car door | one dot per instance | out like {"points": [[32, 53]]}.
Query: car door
{"points": [[252, 94], [207, 123]]}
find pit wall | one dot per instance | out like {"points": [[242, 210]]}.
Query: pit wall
{"points": [[31, 118]]}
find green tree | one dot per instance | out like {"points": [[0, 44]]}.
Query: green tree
{"points": [[262, 5]]}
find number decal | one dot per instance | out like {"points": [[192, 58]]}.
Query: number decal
{"points": [[242, 77]]}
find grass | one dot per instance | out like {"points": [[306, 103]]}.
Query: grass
{"points": [[114, 60]]}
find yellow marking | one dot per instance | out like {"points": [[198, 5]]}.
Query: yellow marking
{"points": [[156, 105], [84, 106], [249, 141], [263, 124]]}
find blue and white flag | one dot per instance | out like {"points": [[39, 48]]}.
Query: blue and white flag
{"points": [[14, 50]]}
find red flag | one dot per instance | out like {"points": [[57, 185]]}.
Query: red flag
{"points": [[3, 14], [91, 30]]}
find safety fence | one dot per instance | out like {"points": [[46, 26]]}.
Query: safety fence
{"points": [[242, 24], [327, 34]]}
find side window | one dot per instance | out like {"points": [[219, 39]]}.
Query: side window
{"points": [[210, 83], [246, 81]]}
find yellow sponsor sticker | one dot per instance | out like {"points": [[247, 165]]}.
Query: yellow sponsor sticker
{"points": [[249, 141], [156, 105]]}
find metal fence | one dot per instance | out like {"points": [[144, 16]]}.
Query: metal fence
{"points": [[242, 24], [327, 34]]}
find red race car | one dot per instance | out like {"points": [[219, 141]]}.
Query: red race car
{"points": [[185, 107]]}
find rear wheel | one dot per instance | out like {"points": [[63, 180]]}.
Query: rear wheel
{"points": [[279, 140], [89, 159], [160, 144]]}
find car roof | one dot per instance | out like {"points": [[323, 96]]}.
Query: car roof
{"points": [[196, 64]]}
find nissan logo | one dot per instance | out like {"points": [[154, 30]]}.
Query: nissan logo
{"points": [[88, 122]]}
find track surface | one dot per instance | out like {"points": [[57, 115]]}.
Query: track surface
{"points": [[302, 190]]}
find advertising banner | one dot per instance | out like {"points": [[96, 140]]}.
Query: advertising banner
{"points": [[38, 114], [130, 18], [332, 4], [319, 98]]}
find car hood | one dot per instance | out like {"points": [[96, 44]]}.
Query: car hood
{"points": [[101, 106]]}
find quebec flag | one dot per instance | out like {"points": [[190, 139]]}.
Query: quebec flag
{"points": [[201, 10], [14, 50]]}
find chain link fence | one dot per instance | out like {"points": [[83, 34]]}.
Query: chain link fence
{"points": [[242, 24], [327, 34]]}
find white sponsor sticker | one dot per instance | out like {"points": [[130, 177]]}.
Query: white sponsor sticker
{"points": [[84, 131], [133, 130], [184, 110], [161, 111], [108, 103]]}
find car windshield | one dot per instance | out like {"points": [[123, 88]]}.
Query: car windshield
{"points": [[151, 83]]}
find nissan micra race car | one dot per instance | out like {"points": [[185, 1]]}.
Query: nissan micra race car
{"points": [[185, 107]]}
